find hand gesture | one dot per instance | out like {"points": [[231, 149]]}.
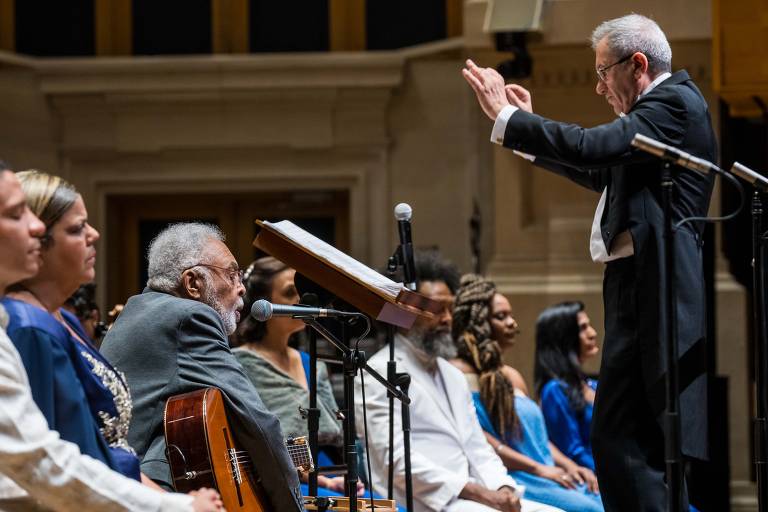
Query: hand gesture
{"points": [[488, 85], [519, 96], [207, 500]]}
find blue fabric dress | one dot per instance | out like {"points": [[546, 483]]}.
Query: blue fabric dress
{"points": [[567, 429], [78, 391], [533, 443]]}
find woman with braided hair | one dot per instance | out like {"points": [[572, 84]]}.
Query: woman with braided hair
{"points": [[483, 329]]}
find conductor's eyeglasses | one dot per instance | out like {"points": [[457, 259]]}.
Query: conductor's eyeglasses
{"points": [[602, 71]]}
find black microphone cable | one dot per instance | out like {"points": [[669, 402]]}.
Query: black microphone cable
{"points": [[732, 215]]}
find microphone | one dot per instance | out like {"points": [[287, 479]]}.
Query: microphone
{"points": [[403, 213], [747, 174], [262, 310], [673, 155]]}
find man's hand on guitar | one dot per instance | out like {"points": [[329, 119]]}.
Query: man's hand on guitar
{"points": [[207, 500]]}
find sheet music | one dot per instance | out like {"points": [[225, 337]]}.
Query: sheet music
{"points": [[336, 258]]}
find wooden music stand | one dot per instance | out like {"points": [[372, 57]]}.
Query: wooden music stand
{"points": [[351, 281]]}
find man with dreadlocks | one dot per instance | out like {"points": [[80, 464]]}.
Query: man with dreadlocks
{"points": [[454, 468], [483, 327]]}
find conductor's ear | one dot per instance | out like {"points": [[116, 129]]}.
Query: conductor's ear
{"points": [[191, 285], [640, 63]]}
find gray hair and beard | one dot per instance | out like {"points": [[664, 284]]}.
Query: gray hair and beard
{"points": [[435, 342], [228, 316]]}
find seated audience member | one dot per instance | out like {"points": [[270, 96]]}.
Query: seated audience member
{"points": [[279, 372], [79, 392], [172, 339], [52, 471], [564, 340], [454, 467], [483, 327]]}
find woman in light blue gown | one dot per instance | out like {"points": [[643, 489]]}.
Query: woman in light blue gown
{"points": [[483, 327]]}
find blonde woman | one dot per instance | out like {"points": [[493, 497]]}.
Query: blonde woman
{"points": [[79, 392]]}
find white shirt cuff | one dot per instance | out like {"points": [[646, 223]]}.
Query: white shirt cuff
{"points": [[500, 125], [526, 156]]}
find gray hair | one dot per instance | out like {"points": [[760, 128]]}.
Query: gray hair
{"points": [[177, 248], [636, 33]]}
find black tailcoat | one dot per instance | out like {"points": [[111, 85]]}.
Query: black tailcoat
{"points": [[675, 113]]}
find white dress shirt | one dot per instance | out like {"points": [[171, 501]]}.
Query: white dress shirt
{"points": [[53, 471], [622, 244]]}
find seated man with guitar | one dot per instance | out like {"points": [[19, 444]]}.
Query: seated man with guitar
{"points": [[172, 339]]}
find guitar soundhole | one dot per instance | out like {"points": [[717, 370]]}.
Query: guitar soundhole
{"points": [[234, 466]]}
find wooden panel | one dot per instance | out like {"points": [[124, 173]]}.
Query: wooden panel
{"points": [[7, 25], [233, 212], [229, 19], [347, 20], [114, 26], [454, 18], [740, 40]]}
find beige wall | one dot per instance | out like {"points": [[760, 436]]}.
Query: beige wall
{"points": [[387, 126]]}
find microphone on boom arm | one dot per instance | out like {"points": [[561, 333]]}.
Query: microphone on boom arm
{"points": [[674, 155], [403, 214], [262, 310]]}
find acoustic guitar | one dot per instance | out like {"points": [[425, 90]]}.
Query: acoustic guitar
{"points": [[202, 451]]}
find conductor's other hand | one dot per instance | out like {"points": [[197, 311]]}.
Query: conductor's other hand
{"points": [[488, 85], [519, 97]]}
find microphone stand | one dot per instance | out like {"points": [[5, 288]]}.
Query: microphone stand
{"points": [[404, 382], [400, 258], [672, 451], [392, 379], [313, 413], [761, 349], [672, 435], [354, 360]]}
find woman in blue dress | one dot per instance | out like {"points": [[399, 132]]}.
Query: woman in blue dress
{"points": [[80, 393], [565, 339], [483, 327]]}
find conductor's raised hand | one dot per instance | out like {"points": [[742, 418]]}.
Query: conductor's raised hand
{"points": [[519, 96], [488, 85]]}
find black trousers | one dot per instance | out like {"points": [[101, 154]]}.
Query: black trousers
{"points": [[627, 441]]}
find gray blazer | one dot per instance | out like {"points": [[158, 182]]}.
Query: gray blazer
{"points": [[166, 346]]}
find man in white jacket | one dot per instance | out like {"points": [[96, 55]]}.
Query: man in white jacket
{"points": [[454, 468], [53, 472]]}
